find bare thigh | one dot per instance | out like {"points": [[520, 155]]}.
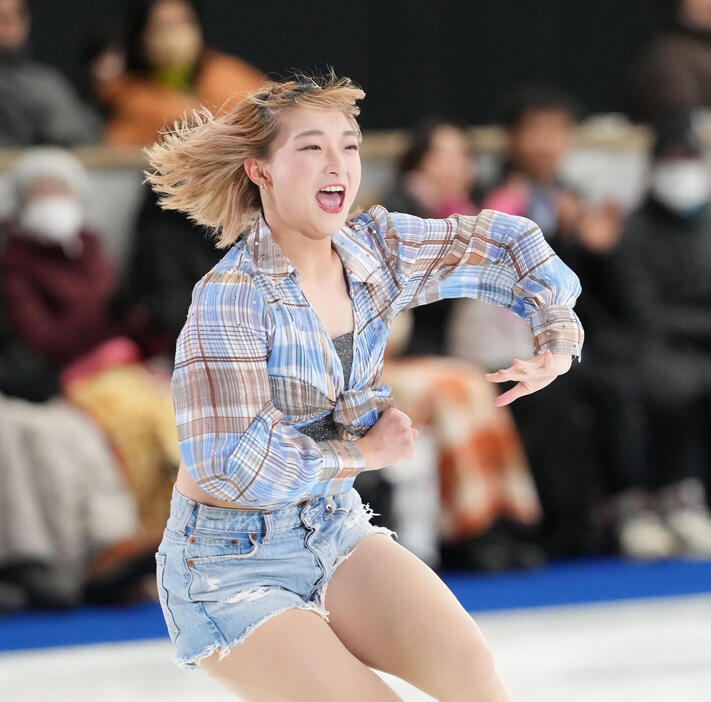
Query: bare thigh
{"points": [[394, 613], [296, 656]]}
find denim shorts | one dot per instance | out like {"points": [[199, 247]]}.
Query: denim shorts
{"points": [[222, 572]]}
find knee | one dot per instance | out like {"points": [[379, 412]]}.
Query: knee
{"points": [[478, 668], [470, 675]]}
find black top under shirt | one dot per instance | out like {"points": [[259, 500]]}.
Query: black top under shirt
{"points": [[325, 428]]}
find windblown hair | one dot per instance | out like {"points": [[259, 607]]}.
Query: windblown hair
{"points": [[198, 166]]}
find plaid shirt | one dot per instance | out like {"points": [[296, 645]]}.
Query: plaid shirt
{"points": [[254, 362]]}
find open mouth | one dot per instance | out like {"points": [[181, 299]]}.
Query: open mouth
{"points": [[330, 198]]}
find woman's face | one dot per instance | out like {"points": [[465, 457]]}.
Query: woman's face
{"points": [[448, 161], [172, 36], [697, 12], [14, 24], [540, 142], [315, 149]]}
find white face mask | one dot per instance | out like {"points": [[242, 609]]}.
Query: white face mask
{"points": [[54, 218], [176, 47], [682, 184]]}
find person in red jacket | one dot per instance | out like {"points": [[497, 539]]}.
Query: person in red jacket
{"points": [[56, 281]]}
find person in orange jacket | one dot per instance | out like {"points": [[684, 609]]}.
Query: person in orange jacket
{"points": [[165, 70]]}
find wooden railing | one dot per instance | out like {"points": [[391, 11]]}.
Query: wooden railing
{"points": [[385, 144]]}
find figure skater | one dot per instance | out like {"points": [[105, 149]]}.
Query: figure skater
{"points": [[278, 405]]}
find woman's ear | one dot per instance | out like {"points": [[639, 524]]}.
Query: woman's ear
{"points": [[255, 172]]}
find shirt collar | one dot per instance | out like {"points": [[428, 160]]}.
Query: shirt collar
{"points": [[357, 257]]}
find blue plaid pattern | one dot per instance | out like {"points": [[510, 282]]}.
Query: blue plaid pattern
{"points": [[254, 362]]}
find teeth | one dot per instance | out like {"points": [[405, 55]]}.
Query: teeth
{"points": [[333, 189]]}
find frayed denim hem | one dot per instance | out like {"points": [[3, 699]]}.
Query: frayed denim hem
{"points": [[191, 662], [361, 516], [364, 515]]}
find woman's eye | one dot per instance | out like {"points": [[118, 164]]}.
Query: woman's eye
{"points": [[313, 147]]}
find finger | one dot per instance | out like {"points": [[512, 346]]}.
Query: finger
{"points": [[525, 387], [509, 396], [497, 376], [496, 373], [538, 375], [504, 376], [496, 379]]}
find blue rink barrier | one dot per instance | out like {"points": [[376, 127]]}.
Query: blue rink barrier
{"points": [[569, 582]]}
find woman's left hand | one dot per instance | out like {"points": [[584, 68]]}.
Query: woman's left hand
{"points": [[532, 375]]}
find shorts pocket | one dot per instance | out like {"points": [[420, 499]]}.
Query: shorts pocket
{"points": [[218, 576], [163, 597], [210, 550]]}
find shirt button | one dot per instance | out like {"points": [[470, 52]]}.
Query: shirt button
{"points": [[329, 508], [192, 539], [233, 541], [191, 563], [252, 536]]}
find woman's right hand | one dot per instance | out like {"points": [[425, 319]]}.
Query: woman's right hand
{"points": [[390, 439]]}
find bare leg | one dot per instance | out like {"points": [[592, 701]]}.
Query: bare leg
{"points": [[395, 614], [295, 657]]}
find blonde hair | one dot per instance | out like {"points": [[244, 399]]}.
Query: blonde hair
{"points": [[198, 166]]}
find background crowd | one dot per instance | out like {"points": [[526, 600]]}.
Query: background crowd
{"points": [[613, 457]]}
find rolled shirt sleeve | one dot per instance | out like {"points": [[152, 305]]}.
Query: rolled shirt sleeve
{"points": [[493, 257], [231, 436]]}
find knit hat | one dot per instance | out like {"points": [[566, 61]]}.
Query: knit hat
{"points": [[48, 162]]}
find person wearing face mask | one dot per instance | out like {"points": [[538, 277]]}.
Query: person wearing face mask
{"points": [[38, 105], [661, 271], [165, 71], [57, 293], [56, 281], [680, 183]]}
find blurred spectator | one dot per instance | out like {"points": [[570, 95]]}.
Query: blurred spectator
{"points": [[661, 275], [488, 502], [131, 402], [673, 75], [541, 122], [110, 454], [165, 70], [23, 372], [168, 255], [63, 503], [435, 178], [58, 289], [568, 488], [56, 282], [435, 174], [37, 103]]}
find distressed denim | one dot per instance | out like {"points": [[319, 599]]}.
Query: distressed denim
{"points": [[222, 572]]}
